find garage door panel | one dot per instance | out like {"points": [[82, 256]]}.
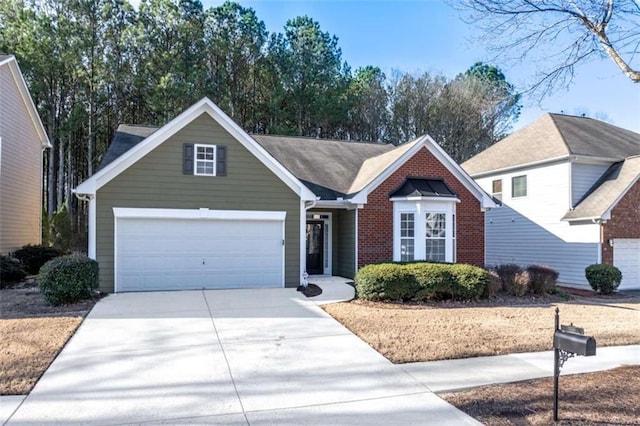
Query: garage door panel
{"points": [[174, 254], [626, 257]]}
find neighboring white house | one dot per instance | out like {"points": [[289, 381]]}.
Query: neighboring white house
{"points": [[22, 139], [571, 197]]}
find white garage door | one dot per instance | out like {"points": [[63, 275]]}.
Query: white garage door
{"points": [[626, 256], [195, 249]]}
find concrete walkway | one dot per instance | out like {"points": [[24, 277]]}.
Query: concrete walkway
{"points": [[224, 357], [254, 357]]}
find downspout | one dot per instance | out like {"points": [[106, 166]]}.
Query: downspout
{"points": [[91, 231]]}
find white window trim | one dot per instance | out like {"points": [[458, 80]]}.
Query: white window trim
{"points": [[526, 187], [420, 208], [399, 233], [195, 159]]}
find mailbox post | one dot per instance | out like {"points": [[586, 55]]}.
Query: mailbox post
{"points": [[568, 341]]}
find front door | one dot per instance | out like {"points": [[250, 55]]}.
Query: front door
{"points": [[315, 247]]}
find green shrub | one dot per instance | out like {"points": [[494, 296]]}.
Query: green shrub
{"points": [[507, 274], [33, 257], [471, 282], [68, 279], [421, 281], [542, 279], [384, 281], [603, 278], [434, 280], [10, 271]]}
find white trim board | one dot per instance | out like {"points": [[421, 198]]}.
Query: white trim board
{"points": [[430, 145], [204, 106], [204, 213]]}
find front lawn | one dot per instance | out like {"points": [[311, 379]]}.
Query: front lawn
{"points": [[33, 333], [606, 397], [428, 332]]}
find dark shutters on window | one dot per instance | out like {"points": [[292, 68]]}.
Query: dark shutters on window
{"points": [[221, 160], [187, 159]]}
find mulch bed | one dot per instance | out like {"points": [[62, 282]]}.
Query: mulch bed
{"points": [[311, 290]]}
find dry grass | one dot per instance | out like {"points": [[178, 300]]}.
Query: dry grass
{"points": [[410, 333], [29, 345], [32, 334], [606, 397]]}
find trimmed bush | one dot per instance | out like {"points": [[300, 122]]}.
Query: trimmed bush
{"points": [[385, 281], [603, 278], [542, 279], [68, 279], [10, 271], [33, 257], [507, 274], [421, 281]]}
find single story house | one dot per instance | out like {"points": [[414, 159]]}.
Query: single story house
{"points": [[22, 141], [571, 197], [200, 203]]}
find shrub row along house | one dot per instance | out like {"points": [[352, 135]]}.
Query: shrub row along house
{"points": [[570, 197], [199, 203]]}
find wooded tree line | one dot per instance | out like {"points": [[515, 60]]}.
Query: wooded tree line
{"points": [[93, 64]]}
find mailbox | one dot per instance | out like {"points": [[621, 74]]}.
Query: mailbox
{"points": [[574, 343]]}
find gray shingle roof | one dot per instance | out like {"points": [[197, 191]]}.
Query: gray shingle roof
{"points": [[554, 136], [125, 138], [329, 168], [3, 57], [613, 184]]}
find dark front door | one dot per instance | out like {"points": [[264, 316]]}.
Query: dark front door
{"points": [[315, 248]]}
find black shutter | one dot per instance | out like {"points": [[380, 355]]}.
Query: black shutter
{"points": [[221, 160], [187, 159]]}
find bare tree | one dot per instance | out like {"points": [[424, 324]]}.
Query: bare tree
{"points": [[560, 34]]}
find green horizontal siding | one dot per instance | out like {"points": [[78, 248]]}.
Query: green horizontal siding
{"points": [[156, 181]]}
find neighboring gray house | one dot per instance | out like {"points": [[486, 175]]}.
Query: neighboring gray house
{"points": [[199, 203], [571, 197], [22, 140]]}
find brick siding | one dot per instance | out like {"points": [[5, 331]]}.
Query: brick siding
{"points": [[624, 222], [375, 220]]}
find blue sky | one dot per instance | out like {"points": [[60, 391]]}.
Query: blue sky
{"points": [[428, 35]]}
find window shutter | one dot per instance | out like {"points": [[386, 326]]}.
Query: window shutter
{"points": [[187, 159], [221, 160]]}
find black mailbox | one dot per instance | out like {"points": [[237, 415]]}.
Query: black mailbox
{"points": [[574, 343]]}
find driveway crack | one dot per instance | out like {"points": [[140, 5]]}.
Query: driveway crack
{"points": [[226, 360]]}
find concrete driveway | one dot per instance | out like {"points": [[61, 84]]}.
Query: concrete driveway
{"points": [[224, 357]]}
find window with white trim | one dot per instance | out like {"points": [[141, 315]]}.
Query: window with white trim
{"points": [[205, 161], [407, 237], [424, 230], [435, 237], [519, 186], [496, 189]]}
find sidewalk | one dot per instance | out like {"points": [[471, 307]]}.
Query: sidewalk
{"points": [[458, 374]]}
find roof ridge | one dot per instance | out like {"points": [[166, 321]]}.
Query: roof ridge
{"points": [[556, 127], [319, 139]]}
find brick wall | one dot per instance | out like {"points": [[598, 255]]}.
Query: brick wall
{"points": [[624, 222], [375, 220]]}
